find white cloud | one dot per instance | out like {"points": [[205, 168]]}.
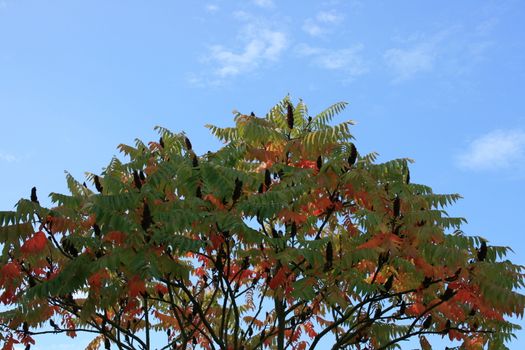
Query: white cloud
{"points": [[312, 28], [348, 59], [450, 51], [495, 150], [322, 23], [262, 45], [258, 44], [406, 63], [329, 17], [263, 3], [211, 8], [7, 157]]}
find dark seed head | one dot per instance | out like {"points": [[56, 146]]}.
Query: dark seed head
{"points": [[136, 180], [194, 161], [289, 115], [448, 294], [267, 178], [427, 281], [352, 157], [147, 220], [96, 229], [397, 206], [98, 186], [388, 284], [293, 229], [187, 143], [237, 190], [329, 255], [427, 322], [482, 251], [33, 195]]}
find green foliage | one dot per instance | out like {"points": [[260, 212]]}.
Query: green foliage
{"points": [[283, 237]]}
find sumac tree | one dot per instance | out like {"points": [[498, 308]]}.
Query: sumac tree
{"points": [[283, 238]]}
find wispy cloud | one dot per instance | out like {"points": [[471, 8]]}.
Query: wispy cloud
{"points": [[495, 150], [263, 3], [329, 17], [406, 63], [262, 46], [211, 8], [417, 54], [322, 23], [256, 45], [7, 157], [349, 59], [455, 50]]}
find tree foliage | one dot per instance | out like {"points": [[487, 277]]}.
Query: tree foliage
{"points": [[283, 237]]}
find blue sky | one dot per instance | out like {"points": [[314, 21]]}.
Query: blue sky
{"points": [[441, 82]]}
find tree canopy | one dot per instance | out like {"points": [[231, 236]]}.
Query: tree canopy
{"points": [[284, 237]]}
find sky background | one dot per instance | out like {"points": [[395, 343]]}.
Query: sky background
{"points": [[441, 82]]}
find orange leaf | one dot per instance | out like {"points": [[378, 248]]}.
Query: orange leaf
{"points": [[290, 215], [115, 237], [35, 244], [214, 200], [136, 286], [278, 279], [380, 239], [306, 164], [309, 328], [96, 279], [415, 309]]}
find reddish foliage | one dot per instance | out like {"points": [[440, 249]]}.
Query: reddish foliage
{"points": [[9, 343], [278, 279], [95, 281], [289, 215], [115, 237], [380, 240], [35, 244], [136, 286]]}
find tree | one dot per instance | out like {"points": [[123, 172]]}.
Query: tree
{"points": [[283, 237]]}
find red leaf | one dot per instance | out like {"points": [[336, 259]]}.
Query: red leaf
{"points": [[290, 215], [214, 200], [306, 164], [415, 309], [115, 237], [95, 280], [9, 272], [160, 288], [380, 239], [35, 244], [309, 328], [136, 286], [278, 279], [9, 343]]}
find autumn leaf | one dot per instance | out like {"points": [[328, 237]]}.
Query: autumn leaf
{"points": [[382, 240], [278, 279], [35, 244], [136, 286]]}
